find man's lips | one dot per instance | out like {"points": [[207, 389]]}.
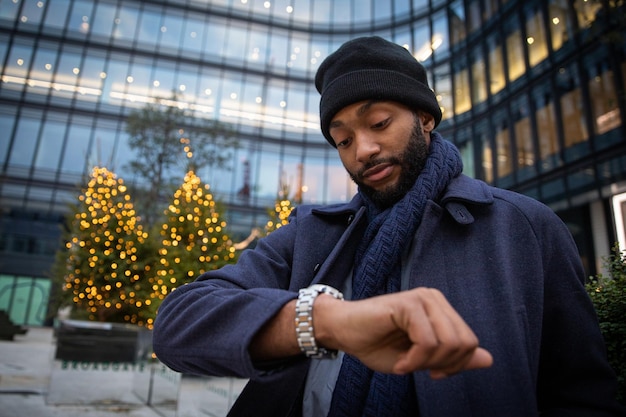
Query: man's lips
{"points": [[377, 172]]}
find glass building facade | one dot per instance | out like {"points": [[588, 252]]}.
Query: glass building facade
{"points": [[532, 93]]}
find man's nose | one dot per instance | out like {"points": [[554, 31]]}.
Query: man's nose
{"points": [[367, 147]]}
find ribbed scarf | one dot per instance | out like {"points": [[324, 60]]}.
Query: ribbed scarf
{"points": [[360, 391]]}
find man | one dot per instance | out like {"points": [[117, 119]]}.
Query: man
{"points": [[460, 299]]}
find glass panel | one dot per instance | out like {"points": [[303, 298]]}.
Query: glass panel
{"points": [[215, 37], [604, 103], [504, 156], [193, 35], [515, 53], [340, 186], [586, 11], [41, 72], [546, 128], [80, 17], [575, 132], [105, 21], [114, 86], [7, 121], [31, 13], [483, 135], [8, 10], [382, 10], [523, 134], [91, 78], [423, 50], [15, 70], [7, 284], [278, 56], [56, 16], [490, 8], [479, 77], [440, 40], [171, 32], [419, 6], [66, 74], [149, 29], [443, 89], [462, 101], [299, 53], [36, 314], [561, 28], [362, 11], [457, 22], [125, 25], [473, 15], [342, 12], [77, 147], [25, 140], [102, 153], [21, 297], [497, 79], [536, 37], [51, 142]]}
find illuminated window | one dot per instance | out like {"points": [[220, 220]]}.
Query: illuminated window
{"points": [[604, 104], [536, 38], [523, 133], [497, 79], [546, 127], [559, 23], [462, 101], [504, 157], [515, 52], [479, 77]]}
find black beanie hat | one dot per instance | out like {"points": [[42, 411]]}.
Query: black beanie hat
{"points": [[372, 68]]}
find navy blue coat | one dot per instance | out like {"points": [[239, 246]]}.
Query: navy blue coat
{"points": [[506, 263]]}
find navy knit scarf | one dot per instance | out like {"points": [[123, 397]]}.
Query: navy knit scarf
{"points": [[360, 391]]}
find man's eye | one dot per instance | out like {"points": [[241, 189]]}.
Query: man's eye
{"points": [[343, 143], [380, 124]]}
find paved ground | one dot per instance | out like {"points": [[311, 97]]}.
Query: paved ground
{"points": [[33, 384]]}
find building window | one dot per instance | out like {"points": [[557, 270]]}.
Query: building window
{"points": [[514, 50], [523, 136], [536, 37], [504, 157], [497, 79], [575, 132], [586, 11], [559, 23], [604, 104], [546, 127], [479, 77], [443, 90], [457, 22], [462, 101]]}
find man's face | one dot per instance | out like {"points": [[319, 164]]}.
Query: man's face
{"points": [[383, 146]]}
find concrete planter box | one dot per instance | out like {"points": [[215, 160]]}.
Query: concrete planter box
{"points": [[87, 341]]}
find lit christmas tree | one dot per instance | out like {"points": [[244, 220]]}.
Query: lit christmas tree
{"points": [[103, 266], [193, 240], [278, 216]]}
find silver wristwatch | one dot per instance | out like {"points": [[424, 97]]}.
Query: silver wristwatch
{"points": [[304, 321]]}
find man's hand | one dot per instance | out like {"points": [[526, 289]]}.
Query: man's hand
{"points": [[400, 333]]}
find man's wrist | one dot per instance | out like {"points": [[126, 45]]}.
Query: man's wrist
{"points": [[305, 330]]}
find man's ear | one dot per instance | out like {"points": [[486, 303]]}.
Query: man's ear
{"points": [[428, 121]]}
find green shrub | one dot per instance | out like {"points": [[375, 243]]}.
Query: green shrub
{"points": [[608, 293]]}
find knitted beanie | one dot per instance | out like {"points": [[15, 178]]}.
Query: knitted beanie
{"points": [[372, 68]]}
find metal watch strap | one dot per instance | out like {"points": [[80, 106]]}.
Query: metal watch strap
{"points": [[304, 321]]}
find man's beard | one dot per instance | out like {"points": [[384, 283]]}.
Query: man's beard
{"points": [[411, 162]]}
